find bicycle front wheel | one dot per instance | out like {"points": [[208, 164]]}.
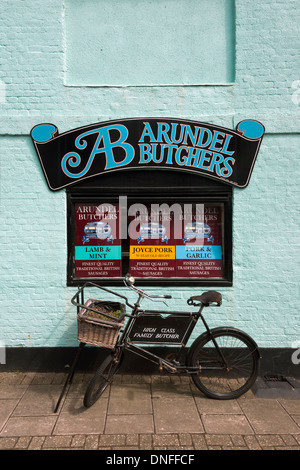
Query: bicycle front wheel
{"points": [[228, 364], [102, 378]]}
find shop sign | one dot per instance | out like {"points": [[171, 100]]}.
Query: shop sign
{"points": [[152, 143], [167, 329]]}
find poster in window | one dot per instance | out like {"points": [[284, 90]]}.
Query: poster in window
{"points": [[152, 245], [199, 251], [97, 243], [179, 241]]}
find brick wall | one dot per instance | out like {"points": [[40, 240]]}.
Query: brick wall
{"points": [[35, 302]]}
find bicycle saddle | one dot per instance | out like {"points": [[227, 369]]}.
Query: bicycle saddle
{"points": [[206, 298]]}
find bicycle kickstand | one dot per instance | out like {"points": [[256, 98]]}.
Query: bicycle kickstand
{"points": [[70, 375]]}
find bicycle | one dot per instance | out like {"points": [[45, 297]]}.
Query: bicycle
{"points": [[223, 362]]}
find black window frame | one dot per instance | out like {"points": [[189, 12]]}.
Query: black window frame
{"points": [[155, 186]]}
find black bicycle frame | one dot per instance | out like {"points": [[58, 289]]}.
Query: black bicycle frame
{"points": [[178, 328], [189, 320], [157, 327]]}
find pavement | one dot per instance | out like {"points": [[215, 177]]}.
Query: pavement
{"points": [[139, 412]]}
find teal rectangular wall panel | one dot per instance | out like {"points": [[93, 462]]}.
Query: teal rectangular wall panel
{"points": [[163, 42]]}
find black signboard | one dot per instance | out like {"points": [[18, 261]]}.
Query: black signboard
{"points": [[158, 329], [152, 143]]}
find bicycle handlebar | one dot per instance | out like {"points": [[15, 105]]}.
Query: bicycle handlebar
{"points": [[128, 281]]}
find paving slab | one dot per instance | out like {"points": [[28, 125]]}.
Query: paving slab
{"points": [[209, 406], [29, 426], [129, 424], [180, 414], [291, 406], [226, 424], [267, 416], [151, 412], [174, 407], [54, 442], [74, 418], [296, 418], [130, 399], [38, 400], [171, 390], [12, 391], [6, 408]]}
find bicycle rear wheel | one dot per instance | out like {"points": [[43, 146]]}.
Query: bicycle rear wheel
{"points": [[102, 378], [226, 371]]}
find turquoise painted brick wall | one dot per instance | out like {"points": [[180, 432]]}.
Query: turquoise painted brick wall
{"points": [[36, 87]]}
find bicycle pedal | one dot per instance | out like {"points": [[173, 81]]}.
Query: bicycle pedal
{"points": [[169, 367]]}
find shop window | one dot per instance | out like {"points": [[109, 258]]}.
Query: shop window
{"points": [[160, 234]]}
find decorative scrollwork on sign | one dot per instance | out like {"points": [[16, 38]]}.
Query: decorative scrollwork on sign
{"points": [[174, 144]]}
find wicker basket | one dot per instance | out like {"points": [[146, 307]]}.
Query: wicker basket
{"points": [[93, 329]]}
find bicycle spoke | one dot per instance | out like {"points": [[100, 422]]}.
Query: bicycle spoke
{"points": [[101, 380], [228, 370]]}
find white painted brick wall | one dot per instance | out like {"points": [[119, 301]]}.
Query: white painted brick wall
{"points": [[35, 302]]}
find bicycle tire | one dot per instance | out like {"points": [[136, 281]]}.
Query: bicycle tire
{"points": [[219, 381], [102, 378]]}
